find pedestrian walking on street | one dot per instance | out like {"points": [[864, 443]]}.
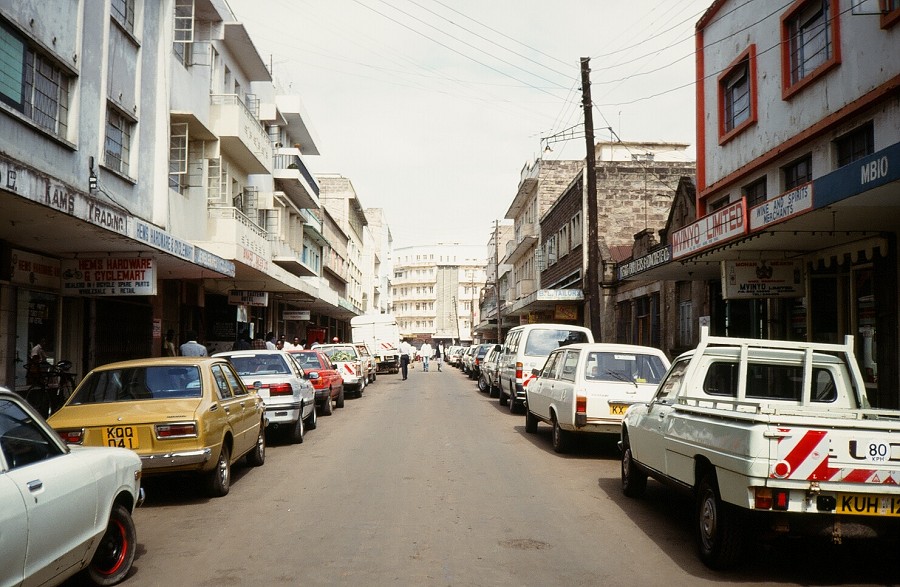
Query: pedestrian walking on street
{"points": [[439, 355], [406, 350], [425, 352], [192, 348]]}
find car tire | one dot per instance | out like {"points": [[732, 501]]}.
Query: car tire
{"points": [[482, 384], [257, 456], [531, 422], [503, 398], [312, 419], [340, 399], [362, 387], [560, 438], [115, 554], [634, 481], [719, 533], [298, 429], [513, 405], [218, 481], [327, 407]]}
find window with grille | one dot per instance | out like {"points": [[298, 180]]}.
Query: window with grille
{"points": [[797, 173], [809, 30], [856, 144], [178, 157], [755, 193], [118, 141], [735, 88], [33, 84], [123, 13]]}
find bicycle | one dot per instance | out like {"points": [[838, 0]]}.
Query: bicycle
{"points": [[49, 386]]}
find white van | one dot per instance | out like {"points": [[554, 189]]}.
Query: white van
{"points": [[527, 347]]}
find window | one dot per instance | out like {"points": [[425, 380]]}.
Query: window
{"points": [[22, 440], [797, 173], [890, 13], [178, 157], [719, 204], [549, 371], [755, 193], [32, 84], [123, 13], [668, 389], [563, 242], [736, 95], [569, 366], [184, 30], [855, 145], [809, 31], [118, 141], [685, 314], [576, 230]]}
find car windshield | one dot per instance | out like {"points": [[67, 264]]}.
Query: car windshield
{"points": [[138, 383], [630, 367], [340, 353], [541, 341], [307, 360], [261, 364]]}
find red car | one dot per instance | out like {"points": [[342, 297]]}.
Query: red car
{"points": [[327, 381]]}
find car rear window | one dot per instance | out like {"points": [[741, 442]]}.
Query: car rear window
{"points": [[139, 383], [542, 341], [260, 365], [341, 353], [630, 367], [308, 360]]}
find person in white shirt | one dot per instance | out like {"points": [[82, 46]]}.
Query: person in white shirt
{"points": [[192, 348], [425, 352], [406, 353]]}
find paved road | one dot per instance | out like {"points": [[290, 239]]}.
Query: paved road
{"points": [[428, 482]]}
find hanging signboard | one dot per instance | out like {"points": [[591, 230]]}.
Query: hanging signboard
{"points": [[34, 270], [248, 298], [720, 226], [295, 315], [762, 279], [109, 276]]}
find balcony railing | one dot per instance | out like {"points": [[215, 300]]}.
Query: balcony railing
{"points": [[240, 133], [230, 225], [290, 161]]}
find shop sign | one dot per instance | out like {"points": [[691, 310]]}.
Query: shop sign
{"points": [[295, 315], [248, 298], [564, 312], [762, 279], [553, 295], [783, 207], [876, 170], [109, 276], [34, 270], [722, 225], [645, 263]]}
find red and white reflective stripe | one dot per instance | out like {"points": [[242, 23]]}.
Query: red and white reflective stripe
{"points": [[528, 379], [349, 369], [387, 345], [806, 456]]}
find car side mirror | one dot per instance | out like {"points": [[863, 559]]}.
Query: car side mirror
{"points": [[312, 376], [334, 366], [257, 385]]}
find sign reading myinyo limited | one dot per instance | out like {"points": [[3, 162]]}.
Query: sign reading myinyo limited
{"points": [[109, 276]]}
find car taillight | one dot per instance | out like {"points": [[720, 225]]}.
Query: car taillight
{"points": [[279, 389], [358, 369], [519, 367], [477, 361], [180, 430], [72, 436], [771, 499], [580, 404]]}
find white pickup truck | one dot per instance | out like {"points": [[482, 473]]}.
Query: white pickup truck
{"points": [[771, 436]]}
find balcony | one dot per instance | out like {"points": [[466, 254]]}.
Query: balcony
{"points": [[294, 179], [312, 227], [524, 288], [336, 266], [230, 226], [290, 259], [526, 239], [241, 136]]}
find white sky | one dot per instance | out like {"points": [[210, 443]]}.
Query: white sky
{"points": [[433, 122]]}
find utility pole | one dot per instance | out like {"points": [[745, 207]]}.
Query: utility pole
{"points": [[591, 283], [497, 278]]}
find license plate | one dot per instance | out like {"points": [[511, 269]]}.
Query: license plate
{"points": [[868, 505], [121, 436], [617, 409]]}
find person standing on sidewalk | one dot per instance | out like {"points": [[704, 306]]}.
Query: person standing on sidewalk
{"points": [[192, 348], [406, 350], [425, 352]]}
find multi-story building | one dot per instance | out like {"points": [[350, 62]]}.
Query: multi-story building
{"points": [[340, 200], [382, 246], [193, 208], [436, 289], [493, 296], [798, 178]]}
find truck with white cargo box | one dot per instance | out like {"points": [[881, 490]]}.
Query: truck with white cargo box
{"points": [[773, 438], [380, 333]]}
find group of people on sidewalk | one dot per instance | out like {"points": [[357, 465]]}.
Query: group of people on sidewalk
{"points": [[408, 354]]}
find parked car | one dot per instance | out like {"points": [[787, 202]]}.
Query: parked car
{"points": [[348, 363], [453, 354], [526, 348], [325, 379], [64, 509], [477, 357], [370, 365], [586, 388], [487, 380], [289, 398], [177, 413], [468, 359]]}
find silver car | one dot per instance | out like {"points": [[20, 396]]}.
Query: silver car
{"points": [[289, 398], [488, 381]]}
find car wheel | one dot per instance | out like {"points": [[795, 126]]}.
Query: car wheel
{"points": [[218, 481], [327, 407], [634, 481], [561, 438], [312, 419], [493, 390], [374, 377], [482, 384], [531, 422], [362, 387], [298, 429], [513, 405], [503, 398], [719, 533], [257, 456], [115, 553], [340, 399]]}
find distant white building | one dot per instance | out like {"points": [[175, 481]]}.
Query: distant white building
{"points": [[435, 290]]}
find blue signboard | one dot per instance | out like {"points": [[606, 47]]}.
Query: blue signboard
{"points": [[860, 176]]}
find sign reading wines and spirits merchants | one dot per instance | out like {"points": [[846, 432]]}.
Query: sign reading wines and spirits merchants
{"points": [[109, 276]]}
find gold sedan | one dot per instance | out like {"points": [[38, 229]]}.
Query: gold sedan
{"points": [[176, 413]]}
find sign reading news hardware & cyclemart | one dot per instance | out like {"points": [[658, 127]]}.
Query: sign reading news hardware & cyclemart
{"points": [[119, 275]]}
